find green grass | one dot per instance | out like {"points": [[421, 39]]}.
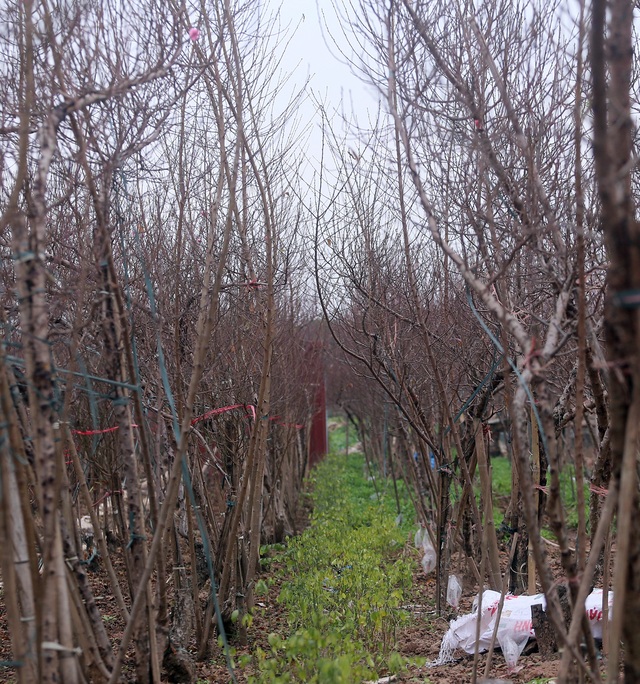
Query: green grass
{"points": [[337, 434], [501, 486], [501, 473], [348, 578]]}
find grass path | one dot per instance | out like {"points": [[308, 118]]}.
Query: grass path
{"points": [[348, 576]]}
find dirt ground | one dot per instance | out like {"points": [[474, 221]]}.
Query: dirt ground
{"points": [[422, 637]]}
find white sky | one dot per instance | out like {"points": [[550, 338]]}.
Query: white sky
{"points": [[311, 52], [313, 48]]}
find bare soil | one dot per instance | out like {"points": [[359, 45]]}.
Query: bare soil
{"points": [[421, 637]]}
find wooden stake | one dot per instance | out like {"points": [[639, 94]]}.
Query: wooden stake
{"points": [[484, 469], [535, 454]]}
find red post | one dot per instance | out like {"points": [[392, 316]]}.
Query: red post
{"points": [[318, 438]]}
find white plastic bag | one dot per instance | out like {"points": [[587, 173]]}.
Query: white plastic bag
{"points": [[462, 634], [423, 543], [429, 556], [512, 646], [428, 560], [515, 626], [515, 629], [454, 591], [593, 606]]}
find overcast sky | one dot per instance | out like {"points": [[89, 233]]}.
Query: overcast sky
{"points": [[311, 52], [312, 47]]}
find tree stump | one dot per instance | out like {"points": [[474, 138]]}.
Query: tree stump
{"points": [[545, 633]]}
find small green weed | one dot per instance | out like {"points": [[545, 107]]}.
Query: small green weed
{"points": [[501, 476], [347, 586], [339, 431]]}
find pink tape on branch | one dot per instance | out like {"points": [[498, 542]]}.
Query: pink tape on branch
{"points": [[600, 491], [99, 432], [197, 419], [95, 432], [106, 495], [224, 409]]}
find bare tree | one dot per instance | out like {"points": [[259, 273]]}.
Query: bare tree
{"points": [[487, 138], [140, 257]]}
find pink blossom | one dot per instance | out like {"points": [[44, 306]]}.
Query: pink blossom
{"points": [[194, 33]]}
